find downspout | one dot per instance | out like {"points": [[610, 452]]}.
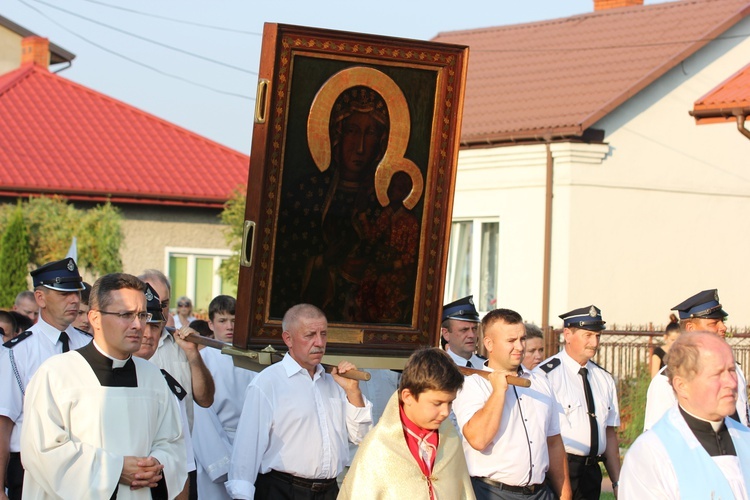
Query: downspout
{"points": [[741, 124], [550, 342]]}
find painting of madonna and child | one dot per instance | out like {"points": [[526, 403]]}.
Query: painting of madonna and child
{"points": [[357, 215]]}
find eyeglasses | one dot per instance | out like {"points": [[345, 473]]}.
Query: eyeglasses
{"points": [[183, 304], [164, 303], [143, 317]]}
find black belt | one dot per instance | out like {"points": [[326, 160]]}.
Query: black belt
{"points": [[523, 490], [316, 485], [586, 460]]}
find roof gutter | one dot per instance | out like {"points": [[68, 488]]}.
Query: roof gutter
{"points": [[741, 124]]}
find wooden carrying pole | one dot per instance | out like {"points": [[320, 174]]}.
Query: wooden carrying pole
{"points": [[512, 380], [217, 344]]}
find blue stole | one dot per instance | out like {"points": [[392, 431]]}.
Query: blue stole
{"points": [[695, 469]]}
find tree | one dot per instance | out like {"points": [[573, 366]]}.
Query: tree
{"points": [[52, 222], [233, 216], [14, 259], [100, 239]]}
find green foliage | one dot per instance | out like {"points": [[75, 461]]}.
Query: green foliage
{"points": [[52, 223], [14, 259], [100, 240], [233, 216], [632, 394]]}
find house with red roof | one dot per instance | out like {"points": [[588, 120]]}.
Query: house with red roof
{"points": [[58, 137], [583, 178]]}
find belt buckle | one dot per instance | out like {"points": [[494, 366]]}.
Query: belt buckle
{"points": [[529, 490], [318, 487], [591, 460]]}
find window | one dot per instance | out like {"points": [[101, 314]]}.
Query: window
{"points": [[194, 272], [473, 262]]}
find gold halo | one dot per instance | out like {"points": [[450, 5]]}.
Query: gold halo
{"points": [[318, 122]]}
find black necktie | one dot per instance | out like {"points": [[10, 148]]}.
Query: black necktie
{"points": [[64, 339], [591, 407], [469, 365]]}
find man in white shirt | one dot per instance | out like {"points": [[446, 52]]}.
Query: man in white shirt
{"points": [[57, 287], [511, 434], [190, 372], [586, 403], [292, 437], [150, 340], [460, 329], [700, 313], [695, 450], [215, 427]]}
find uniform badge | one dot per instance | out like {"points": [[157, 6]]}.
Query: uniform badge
{"points": [[716, 295], [471, 301], [149, 295], [71, 265], [178, 390], [592, 312]]}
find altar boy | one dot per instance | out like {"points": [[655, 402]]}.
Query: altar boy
{"points": [[414, 451]]}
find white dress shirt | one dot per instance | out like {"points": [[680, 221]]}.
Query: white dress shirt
{"points": [[526, 423], [660, 398], [476, 362], [572, 411], [28, 354], [295, 424], [170, 357]]}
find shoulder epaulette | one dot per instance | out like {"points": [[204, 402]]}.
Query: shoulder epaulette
{"points": [[481, 357], [599, 366], [83, 332], [550, 365], [18, 339], [174, 385]]}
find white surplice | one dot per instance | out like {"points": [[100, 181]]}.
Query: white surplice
{"points": [[77, 432]]}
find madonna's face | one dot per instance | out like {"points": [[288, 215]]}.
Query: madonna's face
{"points": [[360, 142]]}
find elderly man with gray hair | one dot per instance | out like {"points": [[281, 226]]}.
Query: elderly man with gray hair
{"points": [[695, 450]]}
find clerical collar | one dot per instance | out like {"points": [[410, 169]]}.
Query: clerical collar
{"points": [[716, 441], [116, 363], [102, 366]]}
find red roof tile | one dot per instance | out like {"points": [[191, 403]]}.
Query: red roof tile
{"points": [[729, 97], [57, 136], [559, 77]]}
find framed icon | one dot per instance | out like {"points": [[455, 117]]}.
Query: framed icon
{"points": [[350, 188]]}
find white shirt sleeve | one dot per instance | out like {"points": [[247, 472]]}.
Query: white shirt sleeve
{"points": [[358, 420], [213, 451], [250, 443]]}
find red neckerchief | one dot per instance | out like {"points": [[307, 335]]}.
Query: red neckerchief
{"points": [[414, 435]]}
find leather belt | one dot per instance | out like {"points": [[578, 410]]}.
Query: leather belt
{"points": [[586, 460], [523, 490], [316, 485]]}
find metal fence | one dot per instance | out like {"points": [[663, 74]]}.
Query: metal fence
{"points": [[623, 353]]}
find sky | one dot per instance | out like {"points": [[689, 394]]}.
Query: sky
{"points": [[195, 62]]}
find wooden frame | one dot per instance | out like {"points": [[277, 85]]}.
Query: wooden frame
{"points": [[350, 188]]}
